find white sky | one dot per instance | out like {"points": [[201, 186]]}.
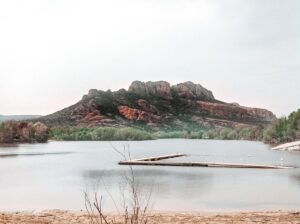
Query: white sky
{"points": [[52, 52]]}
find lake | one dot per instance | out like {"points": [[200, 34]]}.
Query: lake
{"points": [[54, 175]]}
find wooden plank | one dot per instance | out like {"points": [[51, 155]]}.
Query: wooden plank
{"points": [[196, 164], [161, 157]]}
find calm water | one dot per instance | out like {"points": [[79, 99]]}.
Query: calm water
{"points": [[54, 175]]}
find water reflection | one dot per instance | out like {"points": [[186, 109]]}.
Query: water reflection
{"points": [[165, 183]]}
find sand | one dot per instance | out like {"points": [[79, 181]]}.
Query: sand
{"points": [[71, 217]]}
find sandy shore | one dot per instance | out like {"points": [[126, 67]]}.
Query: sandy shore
{"points": [[69, 217]]}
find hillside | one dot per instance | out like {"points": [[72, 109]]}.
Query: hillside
{"points": [[156, 106]]}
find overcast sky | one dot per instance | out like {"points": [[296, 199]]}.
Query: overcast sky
{"points": [[52, 52]]}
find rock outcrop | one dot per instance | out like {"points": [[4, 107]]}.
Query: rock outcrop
{"points": [[188, 90], [160, 88], [234, 112], [192, 91], [137, 115], [92, 92]]}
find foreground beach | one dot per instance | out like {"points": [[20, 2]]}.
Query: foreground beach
{"points": [[70, 217]]}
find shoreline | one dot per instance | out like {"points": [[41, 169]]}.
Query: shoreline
{"points": [[72, 217]]}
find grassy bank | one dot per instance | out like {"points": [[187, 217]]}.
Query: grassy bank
{"points": [[124, 134]]}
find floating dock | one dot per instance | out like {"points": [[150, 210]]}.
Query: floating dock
{"points": [[156, 161]]}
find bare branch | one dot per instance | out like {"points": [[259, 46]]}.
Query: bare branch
{"points": [[135, 207]]}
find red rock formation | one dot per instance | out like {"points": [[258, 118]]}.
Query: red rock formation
{"points": [[234, 112], [87, 113], [137, 115]]}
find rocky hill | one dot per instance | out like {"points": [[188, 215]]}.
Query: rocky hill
{"points": [[155, 105]]}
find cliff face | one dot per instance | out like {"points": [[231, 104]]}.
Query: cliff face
{"points": [[187, 90], [234, 112], [160, 88], [138, 115], [157, 104]]}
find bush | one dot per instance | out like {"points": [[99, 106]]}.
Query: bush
{"points": [[171, 134]]}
